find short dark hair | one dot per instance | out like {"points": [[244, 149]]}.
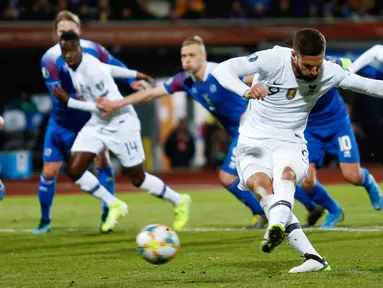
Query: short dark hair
{"points": [[70, 36], [309, 42]]}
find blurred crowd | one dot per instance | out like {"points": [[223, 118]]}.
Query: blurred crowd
{"points": [[109, 10]]}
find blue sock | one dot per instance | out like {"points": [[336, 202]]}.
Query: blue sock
{"points": [[106, 179], [47, 190], [321, 197], [247, 197], [302, 197]]}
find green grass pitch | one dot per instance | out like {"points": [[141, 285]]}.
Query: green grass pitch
{"points": [[74, 254]]}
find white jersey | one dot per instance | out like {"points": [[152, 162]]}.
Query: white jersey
{"points": [[283, 114], [92, 79]]}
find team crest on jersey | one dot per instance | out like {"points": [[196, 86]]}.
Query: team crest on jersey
{"points": [[290, 94], [213, 88], [45, 72], [252, 58], [100, 86]]}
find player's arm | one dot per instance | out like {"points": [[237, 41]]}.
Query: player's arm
{"points": [[359, 84], [228, 74], [373, 54], [120, 72], [60, 94], [172, 85]]}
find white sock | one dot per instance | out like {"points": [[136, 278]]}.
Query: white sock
{"points": [[282, 203], [89, 183], [297, 238], [265, 204], [157, 187]]}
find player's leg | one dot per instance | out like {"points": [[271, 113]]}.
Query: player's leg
{"points": [[348, 155], [106, 177], [290, 164], [53, 155], [2, 190], [87, 145], [320, 196], [229, 178], [127, 146]]}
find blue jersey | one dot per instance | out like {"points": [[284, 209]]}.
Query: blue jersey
{"points": [[331, 108], [55, 72], [225, 105]]}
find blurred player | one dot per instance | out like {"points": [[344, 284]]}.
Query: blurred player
{"points": [[372, 57], [272, 154], [227, 107], [65, 123], [329, 130], [120, 133], [2, 188]]}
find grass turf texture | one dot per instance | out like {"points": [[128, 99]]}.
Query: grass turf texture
{"points": [[84, 258]]}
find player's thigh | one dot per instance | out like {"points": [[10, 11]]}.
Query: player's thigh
{"points": [[309, 182], [344, 145], [315, 146], [128, 147], [228, 173], [52, 149], [89, 139], [290, 155], [252, 157], [103, 159]]}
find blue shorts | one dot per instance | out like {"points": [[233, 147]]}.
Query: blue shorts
{"points": [[58, 142], [337, 139], [229, 165]]}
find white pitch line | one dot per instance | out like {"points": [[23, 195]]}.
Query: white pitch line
{"points": [[207, 229]]}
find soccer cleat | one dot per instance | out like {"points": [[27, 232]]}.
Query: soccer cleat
{"points": [[257, 222], [181, 212], [117, 210], [43, 228], [314, 215], [312, 263], [2, 190], [275, 237], [375, 194], [332, 220]]}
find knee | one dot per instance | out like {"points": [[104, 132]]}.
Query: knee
{"points": [[102, 160], [226, 179], [260, 185], [308, 184], [75, 171], [352, 176], [51, 169], [137, 179], [289, 174]]}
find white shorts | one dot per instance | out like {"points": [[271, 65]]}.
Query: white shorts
{"points": [[269, 156], [122, 141]]}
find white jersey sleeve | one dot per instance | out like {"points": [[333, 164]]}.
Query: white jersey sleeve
{"points": [[350, 81], [227, 73], [367, 58], [119, 72]]}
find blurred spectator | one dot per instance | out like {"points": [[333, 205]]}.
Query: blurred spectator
{"points": [[179, 146], [132, 10], [104, 11], [280, 9], [187, 9], [237, 10], [258, 8], [40, 10]]}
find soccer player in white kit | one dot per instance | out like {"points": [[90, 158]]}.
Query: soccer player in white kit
{"points": [[271, 154], [119, 132]]}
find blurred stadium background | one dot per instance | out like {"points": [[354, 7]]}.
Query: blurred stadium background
{"points": [[146, 35]]}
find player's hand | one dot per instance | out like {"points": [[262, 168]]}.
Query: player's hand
{"points": [[140, 85], [107, 106], [257, 91], [1, 123], [142, 76], [60, 94], [80, 97]]}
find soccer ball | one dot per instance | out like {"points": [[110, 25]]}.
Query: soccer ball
{"points": [[157, 243]]}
